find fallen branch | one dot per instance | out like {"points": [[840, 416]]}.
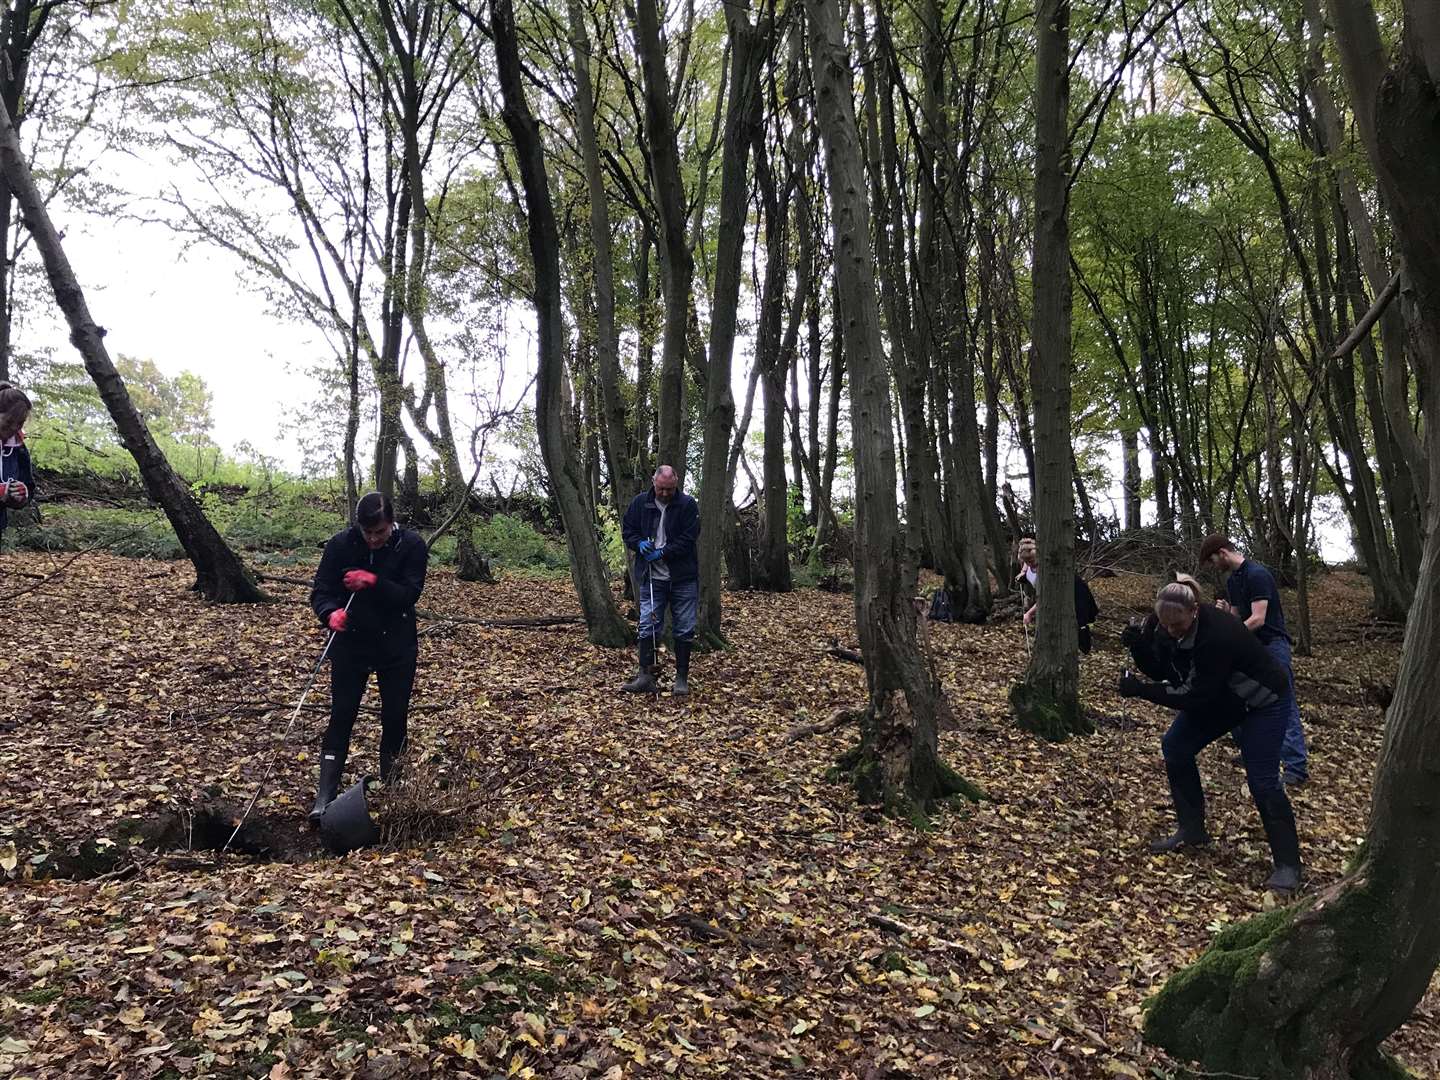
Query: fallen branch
{"points": [[307, 582], [517, 623], [893, 926], [838, 718], [70, 561], [839, 652]]}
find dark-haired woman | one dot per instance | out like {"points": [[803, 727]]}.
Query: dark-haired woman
{"points": [[365, 591], [17, 483]]}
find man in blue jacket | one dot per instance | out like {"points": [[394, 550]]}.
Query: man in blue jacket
{"points": [[661, 526], [369, 579]]}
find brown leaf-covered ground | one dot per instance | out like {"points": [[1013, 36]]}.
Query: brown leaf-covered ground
{"points": [[646, 887]]}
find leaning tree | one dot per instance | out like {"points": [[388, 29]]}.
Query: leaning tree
{"points": [[219, 573]]}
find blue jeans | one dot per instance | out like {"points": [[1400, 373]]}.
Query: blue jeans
{"points": [[683, 599], [1260, 734], [1293, 756]]}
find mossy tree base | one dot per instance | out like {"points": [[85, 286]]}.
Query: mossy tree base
{"points": [[1052, 713], [893, 770], [1300, 993]]}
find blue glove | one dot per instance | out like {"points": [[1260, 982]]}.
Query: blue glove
{"points": [[645, 547], [654, 553]]}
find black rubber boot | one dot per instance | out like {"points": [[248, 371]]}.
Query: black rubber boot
{"points": [[1191, 832], [682, 669], [1278, 817], [331, 768], [644, 680]]}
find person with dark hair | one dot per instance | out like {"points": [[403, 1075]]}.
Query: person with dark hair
{"points": [[661, 526], [1253, 596], [369, 579], [17, 481], [1223, 677]]}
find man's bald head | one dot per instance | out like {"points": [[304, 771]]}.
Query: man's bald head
{"points": [[666, 483]]}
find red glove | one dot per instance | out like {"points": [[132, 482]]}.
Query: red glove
{"points": [[338, 619], [355, 580], [18, 493]]}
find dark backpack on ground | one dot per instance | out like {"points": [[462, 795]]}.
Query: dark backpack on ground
{"points": [[942, 608]]}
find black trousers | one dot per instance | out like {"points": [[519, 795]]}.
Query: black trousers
{"points": [[350, 670]]}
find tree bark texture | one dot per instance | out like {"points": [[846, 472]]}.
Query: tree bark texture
{"points": [[219, 573], [557, 442], [1047, 700], [896, 764], [677, 264]]}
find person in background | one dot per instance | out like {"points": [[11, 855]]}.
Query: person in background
{"points": [[1253, 597], [1086, 609], [17, 481], [660, 527]]}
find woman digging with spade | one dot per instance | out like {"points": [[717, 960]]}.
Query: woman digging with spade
{"points": [[365, 591]]}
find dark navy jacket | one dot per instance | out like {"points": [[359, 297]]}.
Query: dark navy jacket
{"points": [[1253, 581], [381, 622], [682, 529], [16, 466]]}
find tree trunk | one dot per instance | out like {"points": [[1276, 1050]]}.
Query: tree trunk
{"points": [[16, 50], [896, 764], [1130, 451], [775, 355], [1311, 991], [219, 573], [677, 265], [829, 525], [625, 480], [557, 442], [748, 48], [1047, 701]]}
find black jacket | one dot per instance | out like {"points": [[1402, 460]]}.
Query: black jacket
{"points": [[15, 465], [682, 529], [1153, 650], [381, 619], [1218, 665]]}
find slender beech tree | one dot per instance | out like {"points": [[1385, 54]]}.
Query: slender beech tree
{"points": [[897, 763], [1047, 700], [558, 441]]}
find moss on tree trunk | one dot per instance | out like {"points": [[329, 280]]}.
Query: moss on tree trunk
{"points": [[1291, 994], [1050, 711], [897, 771]]}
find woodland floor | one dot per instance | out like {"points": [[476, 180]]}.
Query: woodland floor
{"points": [[645, 887]]}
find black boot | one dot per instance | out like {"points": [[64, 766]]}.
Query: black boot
{"points": [[682, 669], [331, 768], [1278, 817], [1191, 833], [644, 680]]}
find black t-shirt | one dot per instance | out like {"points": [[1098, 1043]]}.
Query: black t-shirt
{"points": [[1250, 582]]}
